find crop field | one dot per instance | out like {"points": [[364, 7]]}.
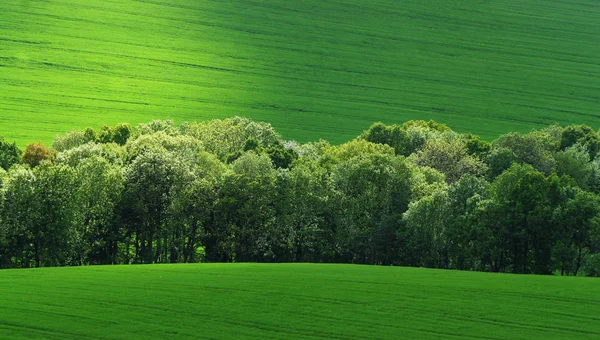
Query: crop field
{"points": [[287, 301], [314, 69]]}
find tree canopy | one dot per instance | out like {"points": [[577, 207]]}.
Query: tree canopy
{"points": [[413, 194]]}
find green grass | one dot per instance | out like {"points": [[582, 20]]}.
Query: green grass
{"points": [[287, 301], [311, 68]]}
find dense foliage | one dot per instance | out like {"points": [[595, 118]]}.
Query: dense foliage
{"points": [[418, 194]]}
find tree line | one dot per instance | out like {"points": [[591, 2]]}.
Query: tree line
{"points": [[416, 194]]}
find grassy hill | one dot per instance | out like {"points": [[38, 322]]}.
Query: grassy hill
{"points": [[311, 68], [271, 301]]}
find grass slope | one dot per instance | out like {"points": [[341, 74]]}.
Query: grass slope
{"points": [[271, 301], [311, 68]]}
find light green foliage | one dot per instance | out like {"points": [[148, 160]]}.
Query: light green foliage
{"points": [[426, 242], [246, 209], [292, 301], [39, 215], [312, 69], [100, 185], [220, 137], [418, 135], [69, 140], [440, 228], [582, 135], [228, 137], [535, 148], [233, 190], [373, 191], [426, 181], [185, 146], [166, 126], [451, 158], [111, 152], [575, 162], [356, 148], [303, 201], [195, 192]]}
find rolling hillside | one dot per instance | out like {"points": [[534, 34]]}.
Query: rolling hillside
{"points": [[311, 68], [273, 301]]}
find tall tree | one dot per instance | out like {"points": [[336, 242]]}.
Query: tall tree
{"points": [[9, 154]]}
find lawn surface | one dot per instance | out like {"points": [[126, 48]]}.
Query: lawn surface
{"points": [[289, 301], [314, 69]]}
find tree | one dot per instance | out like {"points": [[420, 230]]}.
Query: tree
{"points": [[425, 234], [99, 188], [355, 148], [535, 148], [148, 182], [89, 135], [69, 140], [245, 212], [35, 153], [578, 218], [476, 147], [9, 154], [39, 213], [20, 211], [121, 133], [105, 135], [528, 199], [582, 135], [451, 158], [499, 160], [303, 213], [391, 135], [372, 191], [193, 208], [575, 163]]}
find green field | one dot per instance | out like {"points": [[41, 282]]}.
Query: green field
{"points": [[311, 68], [272, 301]]}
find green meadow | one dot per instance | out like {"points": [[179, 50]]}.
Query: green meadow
{"points": [[313, 69], [289, 301]]}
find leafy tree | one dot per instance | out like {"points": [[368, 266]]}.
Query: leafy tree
{"points": [[35, 153], [476, 147], [148, 182], [227, 137], [372, 192], [121, 133], [105, 135], [111, 152], [391, 135], [68, 141], [575, 163], [578, 219], [527, 198], [535, 148], [9, 154], [20, 211], [451, 158], [426, 239], [100, 185], [582, 135], [499, 160], [193, 207], [304, 230], [165, 126], [356, 148], [90, 135], [245, 212], [38, 215]]}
